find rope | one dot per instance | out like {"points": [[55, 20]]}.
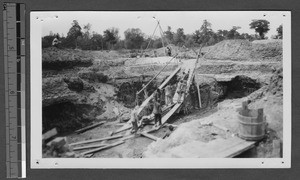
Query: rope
{"points": [[156, 75]]}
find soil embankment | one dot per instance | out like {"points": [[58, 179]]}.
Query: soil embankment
{"points": [[106, 90]]}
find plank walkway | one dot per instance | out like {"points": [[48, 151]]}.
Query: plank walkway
{"points": [[219, 148]]}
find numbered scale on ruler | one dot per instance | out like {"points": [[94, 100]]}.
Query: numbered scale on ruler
{"points": [[14, 75]]}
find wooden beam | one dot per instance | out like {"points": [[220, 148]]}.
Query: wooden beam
{"points": [[149, 136], [96, 140], [127, 137], [50, 134], [88, 147], [102, 148], [144, 104], [199, 95], [125, 127], [89, 127]]}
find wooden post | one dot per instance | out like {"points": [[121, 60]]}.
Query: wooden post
{"points": [[260, 115], [245, 111], [245, 105], [199, 96]]}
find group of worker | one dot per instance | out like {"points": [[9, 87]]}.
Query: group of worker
{"points": [[160, 98]]}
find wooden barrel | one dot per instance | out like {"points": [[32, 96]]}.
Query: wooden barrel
{"points": [[252, 124]]}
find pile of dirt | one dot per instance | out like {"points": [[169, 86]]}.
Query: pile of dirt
{"points": [[218, 67], [56, 90], [110, 54], [190, 133], [275, 84], [58, 59], [242, 50], [74, 101], [92, 76], [152, 69]]}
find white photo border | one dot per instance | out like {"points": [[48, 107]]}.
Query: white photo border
{"points": [[37, 162]]}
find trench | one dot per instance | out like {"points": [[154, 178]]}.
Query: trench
{"points": [[67, 116], [237, 87]]}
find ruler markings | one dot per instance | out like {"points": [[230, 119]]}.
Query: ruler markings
{"points": [[14, 47]]}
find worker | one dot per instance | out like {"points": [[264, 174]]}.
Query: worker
{"points": [[157, 95], [146, 120], [185, 75], [168, 95], [180, 90], [134, 119], [145, 92], [157, 111], [169, 51]]}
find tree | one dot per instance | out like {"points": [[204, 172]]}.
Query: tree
{"points": [[233, 34], [260, 26], [179, 37], [84, 41], [222, 34], [169, 35], [97, 41], [47, 40], [111, 37], [204, 34], [73, 34], [134, 38], [189, 41], [279, 32]]}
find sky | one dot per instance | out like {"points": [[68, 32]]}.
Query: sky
{"points": [[60, 21]]}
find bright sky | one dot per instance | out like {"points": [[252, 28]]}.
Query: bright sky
{"points": [[188, 20]]}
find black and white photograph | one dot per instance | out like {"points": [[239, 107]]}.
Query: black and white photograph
{"points": [[155, 85]]}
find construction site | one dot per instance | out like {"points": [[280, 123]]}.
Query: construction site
{"points": [[218, 99], [231, 104]]}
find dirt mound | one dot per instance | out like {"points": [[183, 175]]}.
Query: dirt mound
{"points": [[92, 76], [190, 133], [275, 84], [58, 59], [56, 90], [242, 50]]}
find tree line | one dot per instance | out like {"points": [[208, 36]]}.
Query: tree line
{"points": [[83, 38]]}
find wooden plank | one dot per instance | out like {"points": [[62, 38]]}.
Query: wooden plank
{"points": [[169, 78], [149, 136], [170, 113], [88, 147], [199, 96], [96, 140], [89, 127], [50, 134], [239, 148], [124, 128], [229, 147], [144, 104], [127, 137], [165, 118], [219, 148], [102, 148]]}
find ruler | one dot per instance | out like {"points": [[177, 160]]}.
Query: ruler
{"points": [[14, 75]]}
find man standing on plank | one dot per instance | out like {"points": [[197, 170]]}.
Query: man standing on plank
{"points": [[134, 119], [157, 111], [168, 95], [157, 95]]}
